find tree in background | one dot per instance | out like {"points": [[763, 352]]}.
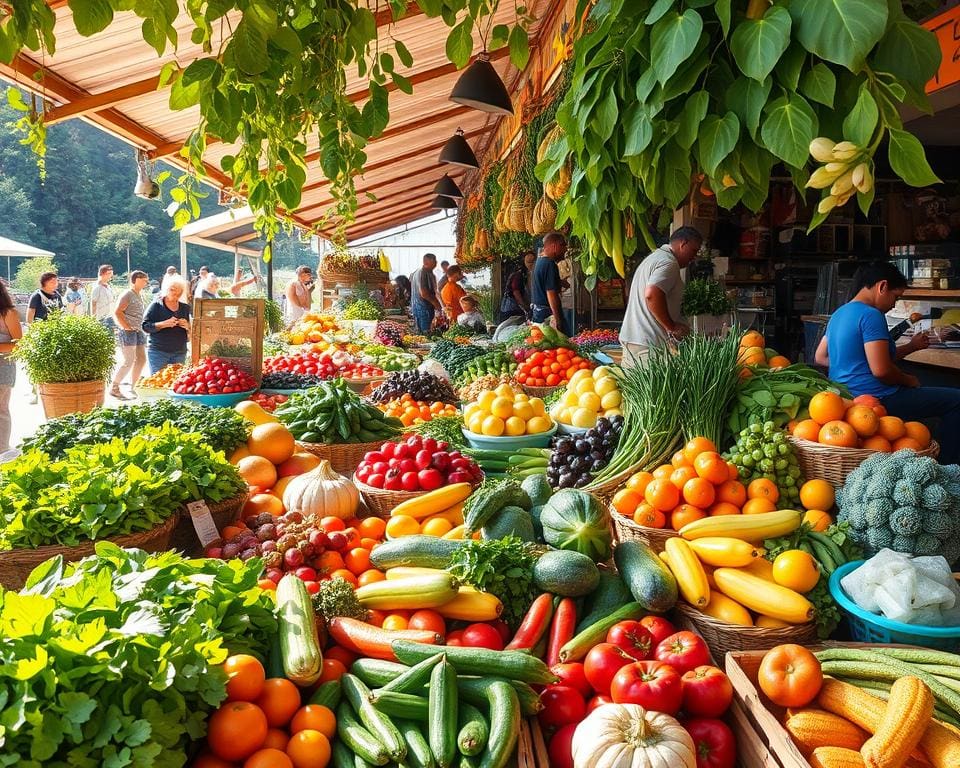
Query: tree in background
{"points": [[122, 238], [27, 279]]}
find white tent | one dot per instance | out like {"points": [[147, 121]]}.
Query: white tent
{"points": [[13, 249]]}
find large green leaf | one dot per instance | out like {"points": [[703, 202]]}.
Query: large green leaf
{"points": [[788, 128], [675, 161], [747, 98], [819, 84], [658, 10], [672, 40], [861, 122], [841, 31], [460, 43], [519, 45], [909, 51], [91, 16], [908, 160], [249, 47], [790, 66], [717, 138], [758, 44], [694, 110], [722, 9], [639, 130]]}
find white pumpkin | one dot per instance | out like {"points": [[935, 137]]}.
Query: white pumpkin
{"points": [[629, 736], [322, 492]]}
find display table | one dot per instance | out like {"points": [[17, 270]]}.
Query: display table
{"points": [[941, 358]]}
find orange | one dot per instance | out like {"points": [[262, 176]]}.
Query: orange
{"points": [[268, 758], [662, 495], [663, 472], [892, 428], [329, 562], [626, 501], [650, 517], [906, 442], [817, 519], [395, 621], [826, 406], [817, 494], [699, 492], [807, 429], [237, 729], [732, 492], [333, 669], [752, 356], [280, 486], [346, 575], [639, 481], [240, 453], [797, 570], [679, 460], [839, 434], [372, 527], [733, 472], [309, 749], [273, 441], [863, 419], [368, 543], [685, 513], [298, 464], [680, 476], [262, 502], [877, 443], [723, 508], [711, 466], [370, 576], [778, 361], [697, 445], [758, 506], [753, 339], [232, 530], [357, 560], [868, 400], [257, 472], [279, 700], [918, 432], [245, 677], [314, 717], [761, 488]]}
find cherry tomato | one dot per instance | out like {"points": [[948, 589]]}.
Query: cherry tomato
{"points": [[561, 705], [482, 636]]}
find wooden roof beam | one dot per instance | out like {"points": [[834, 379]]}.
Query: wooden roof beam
{"points": [[379, 185], [393, 219], [100, 101]]}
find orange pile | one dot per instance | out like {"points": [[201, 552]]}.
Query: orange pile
{"points": [[860, 423], [311, 327], [162, 379], [550, 367], [754, 353], [411, 411]]}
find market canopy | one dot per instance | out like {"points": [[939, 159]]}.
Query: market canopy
{"points": [[110, 79], [13, 249]]}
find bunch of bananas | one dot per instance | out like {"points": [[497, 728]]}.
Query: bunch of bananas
{"points": [[846, 170]]}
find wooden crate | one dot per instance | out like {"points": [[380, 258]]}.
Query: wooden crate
{"points": [[231, 329], [531, 746]]}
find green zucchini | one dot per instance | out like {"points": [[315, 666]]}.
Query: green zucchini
{"points": [[442, 722], [375, 721], [474, 691], [582, 642], [327, 694], [650, 581], [504, 725], [609, 595], [485, 502], [340, 755], [419, 551], [473, 730], [402, 705], [274, 665], [299, 642], [418, 750], [415, 678], [480, 661], [565, 573], [360, 741], [377, 672]]}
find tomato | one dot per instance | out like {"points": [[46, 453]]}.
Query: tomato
{"points": [[561, 705], [482, 636], [658, 627], [683, 651], [633, 637], [560, 747], [572, 674], [455, 638], [651, 684], [707, 692], [790, 675], [603, 661], [503, 628], [714, 743], [598, 701], [429, 620]]}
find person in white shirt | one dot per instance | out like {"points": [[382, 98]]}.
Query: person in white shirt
{"points": [[101, 298], [656, 294], [298, 295]]}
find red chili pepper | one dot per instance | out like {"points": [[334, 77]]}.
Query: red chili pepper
{"points": [[534, 624], [562, 629]]}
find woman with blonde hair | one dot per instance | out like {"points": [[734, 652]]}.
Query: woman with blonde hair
{"points": [[167, 325]]}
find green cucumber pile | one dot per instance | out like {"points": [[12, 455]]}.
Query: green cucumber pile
{"points": [[497, 363], [333, 413], [455, 357], [522, 462]]}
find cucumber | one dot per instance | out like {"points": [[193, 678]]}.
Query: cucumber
{"points": [[341, 756], [418, 550], [402, 705], [375, 721], [442, 723], [415, 678], [647, 576], [509, 520], [474, 691], [360, 741], [609, 595], [474, 731], [377, 672], [565, 573], [582, 642], [538, 489], [274, 665], [513, 665], [504, 725], [418, 749], [327, 694]]}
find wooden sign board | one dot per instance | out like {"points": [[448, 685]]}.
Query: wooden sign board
{"points": [[231, 329], [946, 26]]}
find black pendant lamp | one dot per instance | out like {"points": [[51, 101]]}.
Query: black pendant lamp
{"points": [[442, 201], [480, 87], [448, 188], [458, 152]]}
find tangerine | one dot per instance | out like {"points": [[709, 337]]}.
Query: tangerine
{"points": [[245, 677], [892, 428], [723, 508], [817, 519], [906, 443], [262, 502], [639, 481], [268, 758], [309, 749], [650, 517], [918, 432], [758, 506], [372, 527], [279, 700], [314, 717], [237, 730], [699, 492], [839, 434], [680, 476], [257, 471], [761, 488], [685, 513], [826, 406], [679, 460], [662, 494], [817, 494], [807, 429], [697, 445], [878, 443], [863, 419], [712, 467], [626, 501], [663, 472], [732, 492]]}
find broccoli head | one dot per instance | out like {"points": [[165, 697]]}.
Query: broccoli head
{"points": [[935, 497], [877, 538], [905, 544], [906, 521], [906, 493], [926, 544]]}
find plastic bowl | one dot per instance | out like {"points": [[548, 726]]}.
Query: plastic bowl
{"points": [[508, 443], [569, 429], [215, 401]]}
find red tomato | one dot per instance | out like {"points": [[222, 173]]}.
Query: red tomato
{"points": [[572, 674], [633, 637], [455, 638], [341, 654], [560, 748], [598, 701], [658, 627], [561, 705], [603, 661], [706, 692], [714, 743], [503, 628], [429, 620], [482, 636], [683, 651], [651, 684]]}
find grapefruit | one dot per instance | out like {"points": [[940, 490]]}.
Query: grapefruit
{"points": [[273, 441], [257, 471]]}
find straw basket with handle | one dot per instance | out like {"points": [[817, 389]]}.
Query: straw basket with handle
{"points": [[833, 464], [723, 637], [343, 457]]}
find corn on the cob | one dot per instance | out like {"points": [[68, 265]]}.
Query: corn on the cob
{"points": [[905, 719], [812, 728]]}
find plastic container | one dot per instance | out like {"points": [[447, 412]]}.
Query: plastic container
{"points": [[215, 401], [152, 393], [508, 443], [569, 429], [866, 627]]}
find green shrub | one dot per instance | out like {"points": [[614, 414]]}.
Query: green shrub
{"points": [[66, 348]]}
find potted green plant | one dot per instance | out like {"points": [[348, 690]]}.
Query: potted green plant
{"points": [[69, 358], [706, 305]]}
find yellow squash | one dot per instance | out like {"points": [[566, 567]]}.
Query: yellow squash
{"points": [[433, 502], [723, 608], [688, 572], [471, 605], [765, 525], [725, 551], [762, 596]]}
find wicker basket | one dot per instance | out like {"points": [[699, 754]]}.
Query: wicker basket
{"points": [[75, 397], [16, 564], [722, 637], [834, 464], [223, 512], [541, 391], [343, 457], [625, 529]]}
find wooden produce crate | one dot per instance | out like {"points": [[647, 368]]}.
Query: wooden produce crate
{"points": [[531, 746], [231, 329]]}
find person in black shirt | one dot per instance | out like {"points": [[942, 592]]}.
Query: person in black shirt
{"points": [[167, 325], [545, 299], [46, 300]]}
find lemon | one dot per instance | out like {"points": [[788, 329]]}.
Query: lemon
{"points": [[538, 407], [475, 424], [600, 371], [492, 426], [515, 426], [584, 386], [504, 390], [590, 401], [525, 410], [556, 411], [605, 385], [470, 410], [579, 376], [611, 399], [486, 399], [584, 418], [520, 397], [502, 407], [570, 398], [538, 424], [612, 412]]}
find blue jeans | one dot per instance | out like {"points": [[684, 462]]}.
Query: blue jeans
{"points": [[921, 403], [158, 359], [423, 317]]}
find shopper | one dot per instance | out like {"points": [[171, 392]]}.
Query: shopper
{"points": [[129, 317], [101, 297], [73, 298], [860, 353], [298, 298], [470, 317], [208, 287], [423, 295], [545, 297], [452, 292], [656, 294], [402, 291], [167, 325], [46, 300], [197, 281], [239, 283], [10, 331], [515, 301], [441, 283]]}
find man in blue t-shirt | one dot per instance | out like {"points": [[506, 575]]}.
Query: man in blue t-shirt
{"points": [[860, 353], [545, 296]]}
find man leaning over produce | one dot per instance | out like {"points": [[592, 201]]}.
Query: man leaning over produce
{"points": [[656, 293]]}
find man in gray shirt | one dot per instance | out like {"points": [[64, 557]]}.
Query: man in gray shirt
{"points": [[656, 294], [101, 297]]}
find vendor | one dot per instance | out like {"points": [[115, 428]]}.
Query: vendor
{"points": [[547, 285], [452, 292], [859, 352]]}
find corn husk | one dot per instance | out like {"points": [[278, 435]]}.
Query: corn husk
{"points": [[560, 185], [520, 208], [481, 243]]}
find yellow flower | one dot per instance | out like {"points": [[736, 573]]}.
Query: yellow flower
{"points": [[845, 150], [821, 149], [827, 204]]}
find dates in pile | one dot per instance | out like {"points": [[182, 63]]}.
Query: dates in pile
{"points": [[289, 380], [576, 458], [420, 384]]}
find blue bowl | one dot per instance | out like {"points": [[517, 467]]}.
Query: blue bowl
{"points": [[216, 401], [508, 443], [866, 627]]}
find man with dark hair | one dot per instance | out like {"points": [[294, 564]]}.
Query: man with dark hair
{"points": [[547, 285], [133, 341], [656, 293], [424, 302], [45, 300], [101, 297], [444, 267]]}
